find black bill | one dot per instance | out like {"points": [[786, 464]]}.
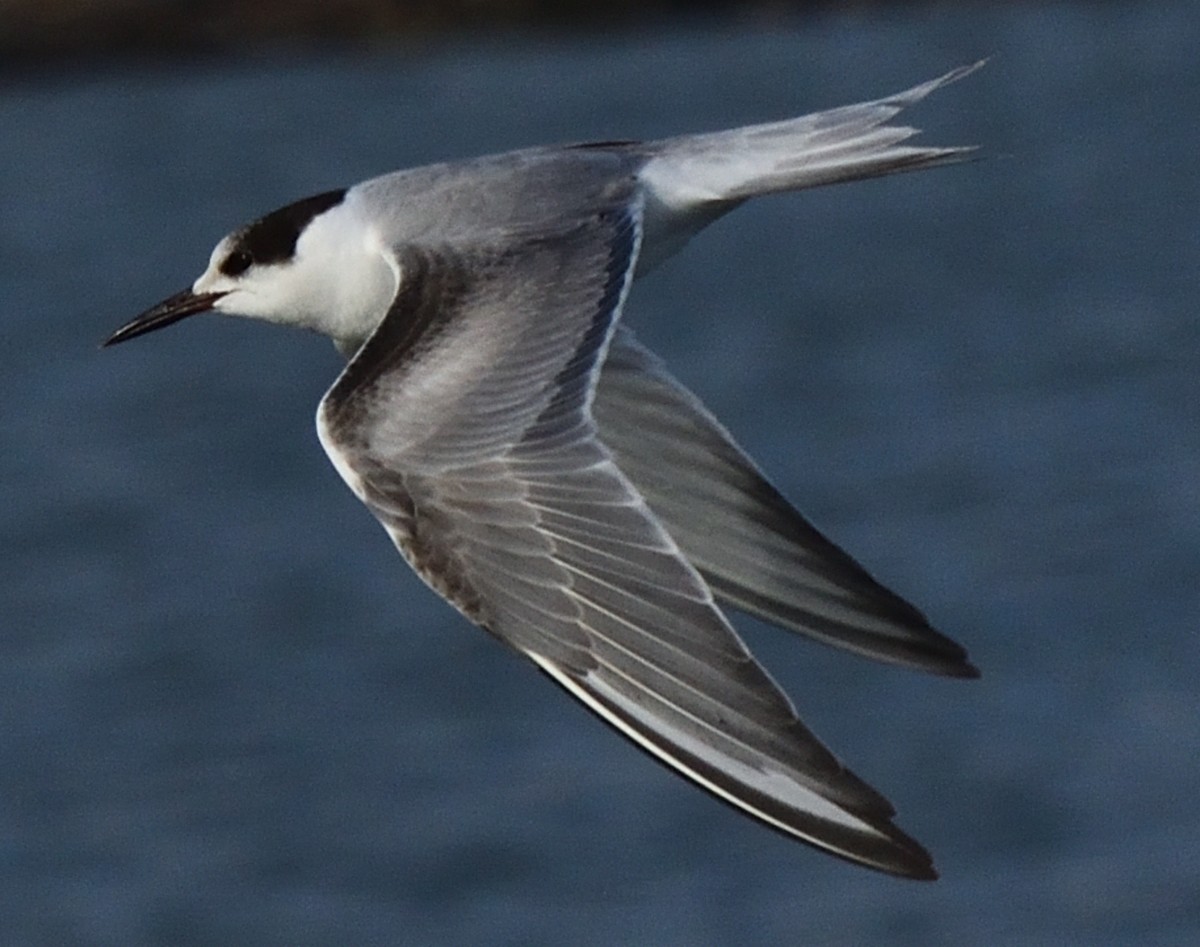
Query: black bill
{"points": [[170, 310]]}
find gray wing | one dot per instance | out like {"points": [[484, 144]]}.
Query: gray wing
{"points": [[525, 523], [755, 550]]}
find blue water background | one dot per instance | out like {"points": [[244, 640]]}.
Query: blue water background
{"points": [[230, 715]]}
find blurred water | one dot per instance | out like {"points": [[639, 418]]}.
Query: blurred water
{"points": [[229, 715]]}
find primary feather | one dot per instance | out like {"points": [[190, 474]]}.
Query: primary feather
{"points": [[547, 475]]}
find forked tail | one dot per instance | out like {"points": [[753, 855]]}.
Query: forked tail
{"points": [[842, 144]]}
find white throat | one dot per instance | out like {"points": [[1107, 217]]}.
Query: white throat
{"points": [[340, 281]]}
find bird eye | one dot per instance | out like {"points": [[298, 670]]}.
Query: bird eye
{"points": [[236, 263]]}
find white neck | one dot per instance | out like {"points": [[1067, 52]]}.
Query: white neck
{"points": [[340, 281]]}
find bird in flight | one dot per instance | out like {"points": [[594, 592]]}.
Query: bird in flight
{"points": [[543, 471]]}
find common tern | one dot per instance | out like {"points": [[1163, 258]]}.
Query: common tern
{"points": [[543, 471]]}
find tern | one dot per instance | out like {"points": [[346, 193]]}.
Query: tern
{"points": [[542, 470]]}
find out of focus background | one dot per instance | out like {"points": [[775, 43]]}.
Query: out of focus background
{"points": [[230, 715]]}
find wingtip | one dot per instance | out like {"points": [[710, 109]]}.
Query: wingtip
{"points": [[954, 659], [969, 671], [916, 869], [958, 668], [949, 660], [932, 651], [908, 858], [892, 852], [925, 873]]}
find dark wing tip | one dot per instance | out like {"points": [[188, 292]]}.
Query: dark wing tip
{"points": [[880, 845], [964, 670], [937, 654]]}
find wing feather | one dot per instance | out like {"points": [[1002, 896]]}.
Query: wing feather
{"points": [[755, 550], [471, 438]]}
